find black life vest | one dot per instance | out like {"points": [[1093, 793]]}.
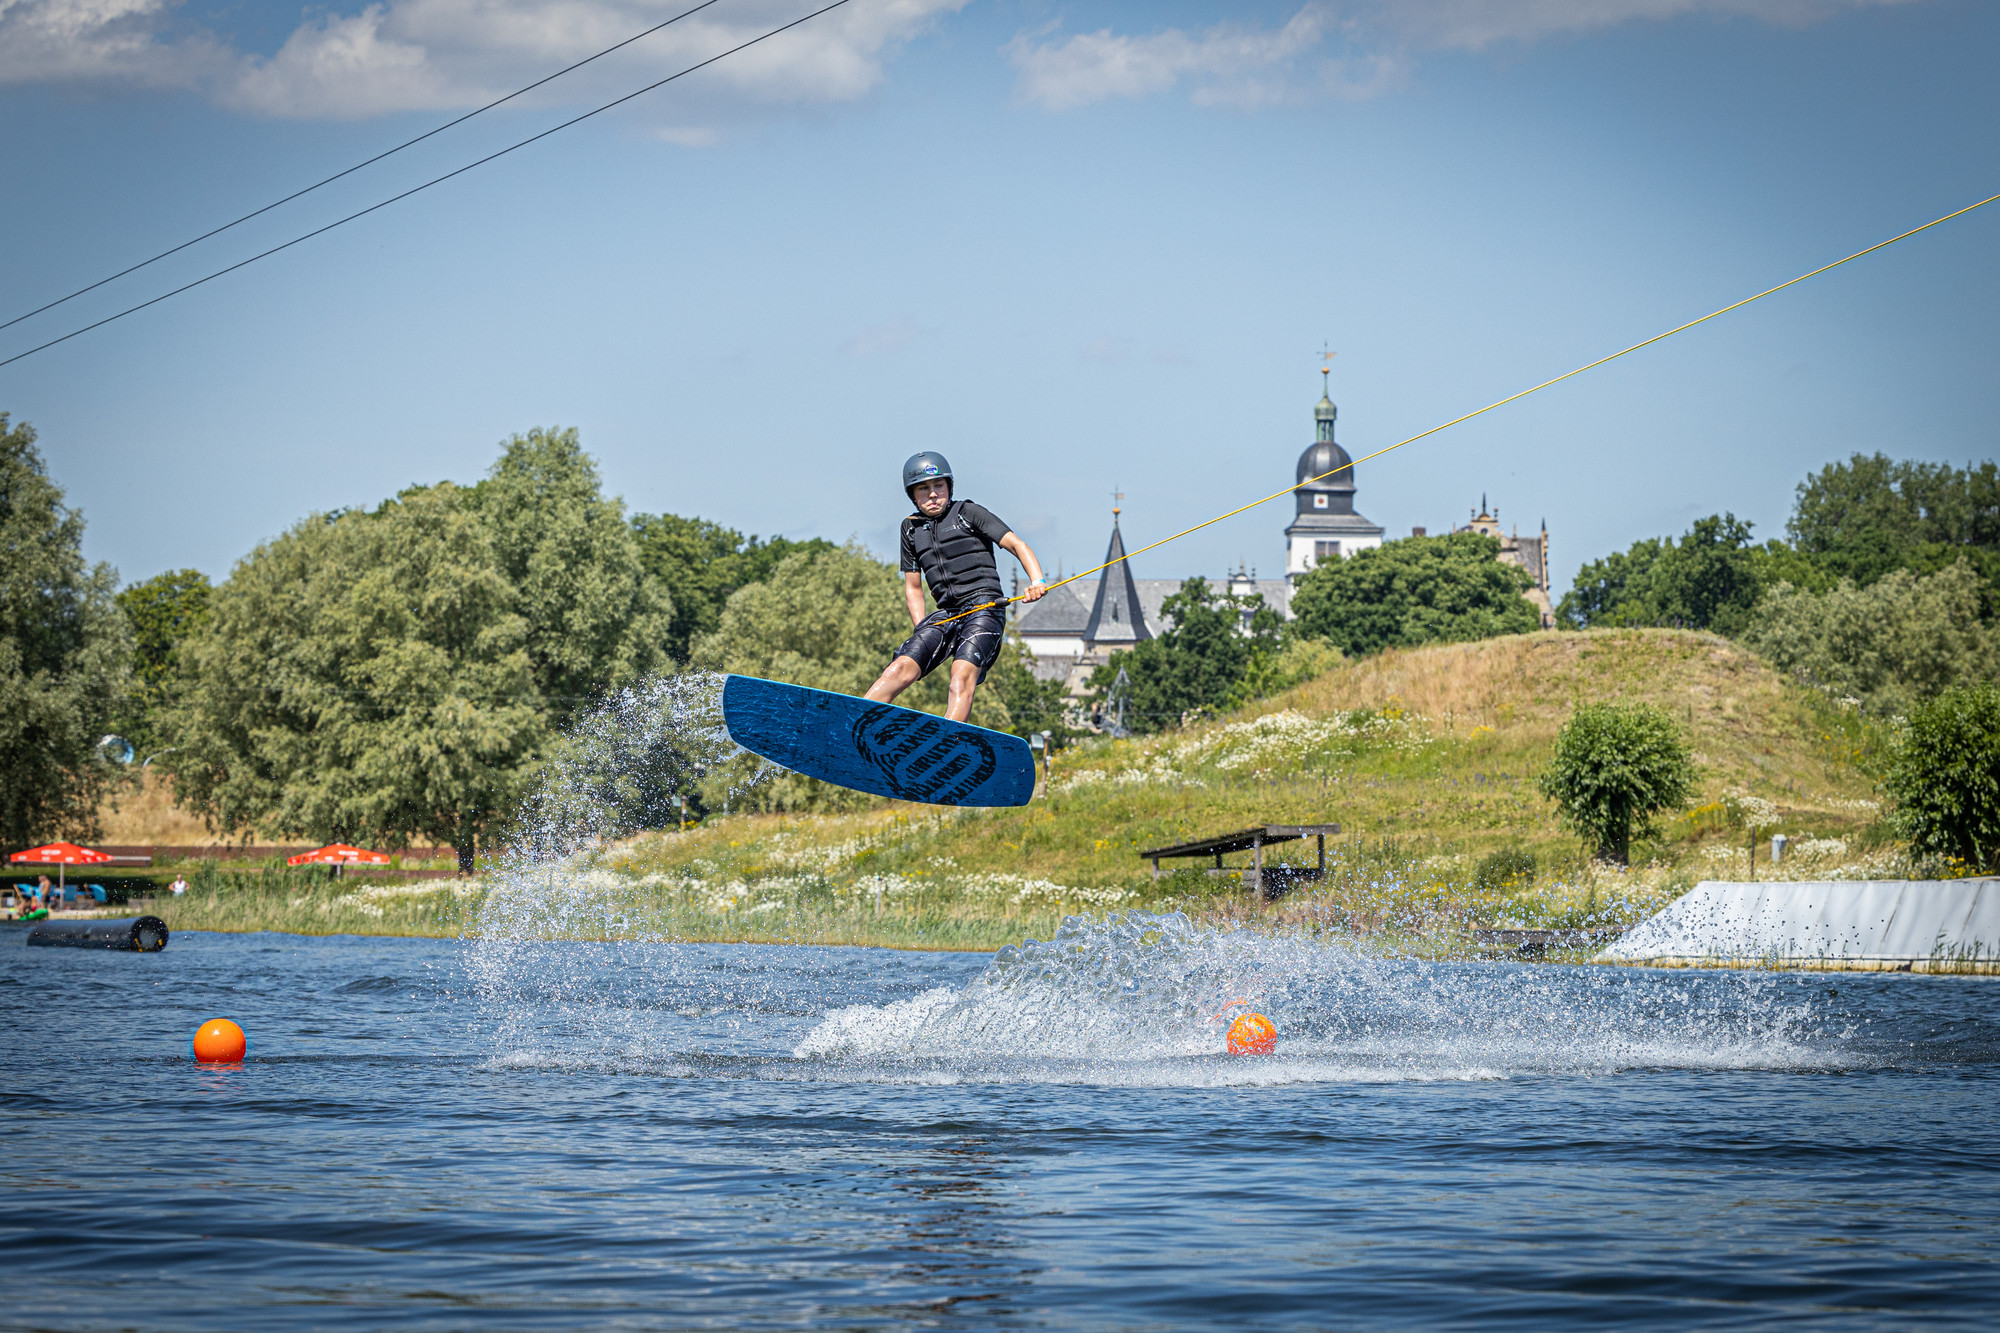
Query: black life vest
{"points": [[956, 560]]}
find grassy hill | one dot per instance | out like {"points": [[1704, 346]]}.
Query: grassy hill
{"points": [[1425, 757]]}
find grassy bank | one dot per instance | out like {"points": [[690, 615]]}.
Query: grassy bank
{"points": [[1426, 757]]}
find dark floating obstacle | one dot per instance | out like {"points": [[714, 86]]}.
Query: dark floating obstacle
{"points": [[133, 934]]}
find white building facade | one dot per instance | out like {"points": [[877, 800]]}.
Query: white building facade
{"points": [[1326, 527]]}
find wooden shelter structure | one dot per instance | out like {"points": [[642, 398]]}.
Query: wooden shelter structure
{"points": [[1252, 840]]}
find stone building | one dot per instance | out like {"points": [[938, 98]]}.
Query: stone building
{"points": [[1530, 553]]}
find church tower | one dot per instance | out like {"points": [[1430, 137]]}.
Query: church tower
{"points": [[1326, 526], [1117, 620]]}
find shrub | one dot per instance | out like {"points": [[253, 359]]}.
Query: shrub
{"points": [[1890, 644], [1509, 870], [1614, 767], [1945, 778]]}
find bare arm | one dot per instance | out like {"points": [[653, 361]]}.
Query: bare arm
{"points": [[913, 597], [1037, 585]]}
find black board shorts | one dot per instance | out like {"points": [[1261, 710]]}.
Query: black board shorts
{"points": [[975, 638]]}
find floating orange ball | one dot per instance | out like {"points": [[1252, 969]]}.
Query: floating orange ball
{"points": [[1252, 1034], [220, 1042]]}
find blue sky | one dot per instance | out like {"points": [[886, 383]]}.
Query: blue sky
{"points": [[1076, 246]]}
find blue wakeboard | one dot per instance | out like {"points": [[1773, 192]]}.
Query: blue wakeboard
{"points": [[881, 748]]}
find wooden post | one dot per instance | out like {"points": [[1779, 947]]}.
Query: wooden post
{"points": [[1156, 869], [1257, 859], [1322, 856]]}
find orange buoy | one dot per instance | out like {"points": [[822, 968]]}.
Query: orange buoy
{"points": [[220, 1042], [1252, 1034]]}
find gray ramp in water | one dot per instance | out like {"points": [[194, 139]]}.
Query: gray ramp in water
{"points": [[1903, 925]]}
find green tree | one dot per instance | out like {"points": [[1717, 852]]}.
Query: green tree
{"points": [[162, 611], [700, 564], [364, 678], [1903, 638], [1202, 660], [1711, 578], [1604, 588], [65, 657], [1945, 778], [1614, 767], [1870, 515], [1416, 590], [595, 619]]}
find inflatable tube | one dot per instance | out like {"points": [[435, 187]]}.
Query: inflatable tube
{"points": [[133, 934], [39, 914]]}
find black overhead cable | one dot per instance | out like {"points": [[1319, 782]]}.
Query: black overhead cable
{"points": [[417, 189], [408, 143]]}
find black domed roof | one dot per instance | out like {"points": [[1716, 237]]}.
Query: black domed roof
{"points": [[1321, 457]]}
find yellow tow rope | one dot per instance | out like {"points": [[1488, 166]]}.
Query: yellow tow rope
{"points": [[1737, 305]]}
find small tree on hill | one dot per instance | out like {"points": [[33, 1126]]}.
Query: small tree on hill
{"points": [[1615, 766], [1945, 778]]}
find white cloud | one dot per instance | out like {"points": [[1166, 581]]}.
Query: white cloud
{"points": [[434, 55], [1355, 48], [107, 40]]}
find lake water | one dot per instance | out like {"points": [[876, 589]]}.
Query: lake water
{"points": [[452, 1135]]}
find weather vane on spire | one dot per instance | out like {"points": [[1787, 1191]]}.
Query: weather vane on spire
{"points": [[1326, 366], [1117, 501]]}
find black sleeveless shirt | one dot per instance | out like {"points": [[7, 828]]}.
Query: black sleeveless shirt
{"points": [[954, 551]]}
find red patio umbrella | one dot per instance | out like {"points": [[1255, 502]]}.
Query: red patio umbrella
{"points": [[60, 855], [339, 854]]}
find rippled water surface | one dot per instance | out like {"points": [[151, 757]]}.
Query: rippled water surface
{"points": [[452, 1135]]}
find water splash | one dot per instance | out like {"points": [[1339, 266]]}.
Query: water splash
{"points": [[1112, 1000], [625, 766]]}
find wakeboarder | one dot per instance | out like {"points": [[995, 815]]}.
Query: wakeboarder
{"points": [[949, 544]]}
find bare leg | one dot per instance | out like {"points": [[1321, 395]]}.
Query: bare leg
{"points": [[899, 675], [964, 680]]}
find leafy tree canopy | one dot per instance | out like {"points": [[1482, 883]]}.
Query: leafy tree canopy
{"points": [[64, 657], [700, 564], [1903, 638], [162, 611], [367, 678], [1945, 778], [1615, 766], [1711, 578], [1870, 515], [1202, 660], [595, 618], [1412, 591]]}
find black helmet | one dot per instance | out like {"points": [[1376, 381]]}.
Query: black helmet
{"points": [[923, 467]]}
